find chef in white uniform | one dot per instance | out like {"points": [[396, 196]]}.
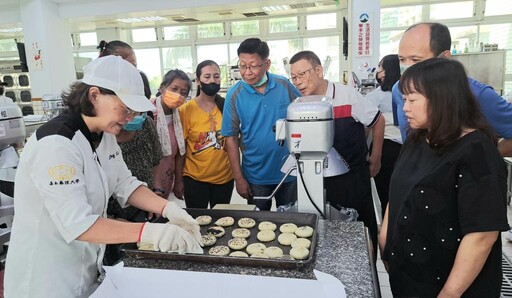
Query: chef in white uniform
{"points": [[68, 170]]}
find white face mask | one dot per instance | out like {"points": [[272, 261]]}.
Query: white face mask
{"points": [[403, 68]]}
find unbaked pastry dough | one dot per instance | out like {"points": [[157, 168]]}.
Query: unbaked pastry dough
{"points": [[267, 226], [237, 243], [288, 228], [301, 242], [216, 231], [238, 254], [266, 235], [299, 253], [220, 250], [204, 220], [273, 252], [286, 238], [208, 239], [241, 233], [246, 222], [255, 248], [304, 232], [225, 221]]}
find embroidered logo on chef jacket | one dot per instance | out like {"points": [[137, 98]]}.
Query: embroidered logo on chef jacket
{"points": [[113, 155], [62, 175]]}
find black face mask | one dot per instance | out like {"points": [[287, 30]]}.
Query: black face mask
{"points": [[210, 89], [379, 80]]}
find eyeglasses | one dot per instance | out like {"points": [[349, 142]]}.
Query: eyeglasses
{"points": [[300, 75], [252, 68], [129, 112]]}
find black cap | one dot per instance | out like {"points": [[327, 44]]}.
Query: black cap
{"points": [[3, 83]]}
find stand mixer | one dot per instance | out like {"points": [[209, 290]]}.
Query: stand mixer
{"points": [[308, 132], [52, 106]]}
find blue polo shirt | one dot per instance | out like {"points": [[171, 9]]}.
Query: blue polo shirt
{"points": [[252, 116]]}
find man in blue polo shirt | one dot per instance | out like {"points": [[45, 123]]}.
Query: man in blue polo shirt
{"points": [[428, 40], [251, 109]]}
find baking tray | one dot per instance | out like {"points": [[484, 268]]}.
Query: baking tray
{"points": [[300, 219]]}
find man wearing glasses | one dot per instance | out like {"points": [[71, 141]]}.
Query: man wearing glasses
{"points": [[352, 115], [251, 109]]}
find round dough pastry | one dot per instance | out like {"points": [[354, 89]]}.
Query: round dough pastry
{"points": [[254, 248], [260, 255], [241, 233], [220, 250], [216, 231], [301, 242], [204, 220], [208, 239], [238, 254], [266, 236], [286, 238], [304, 232], [288, 228], [246, 222], [267, 226], [237, 243], [273, 252], [225, 221], [299, 253]]}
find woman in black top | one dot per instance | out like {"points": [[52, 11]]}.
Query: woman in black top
{"points": [[447, 202]]}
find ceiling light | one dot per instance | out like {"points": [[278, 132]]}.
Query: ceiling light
{"points": [[130, 20], [154, 19], [275, 8], [10, 30], [142, 19]]}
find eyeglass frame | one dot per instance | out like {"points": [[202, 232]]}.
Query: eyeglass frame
{"points": [[301, 75], [130, 112], [252, 68]]}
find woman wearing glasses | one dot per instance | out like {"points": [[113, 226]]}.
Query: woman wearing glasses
{"points": [[173, 91], [68, 170], [207, 177], [140, 147]]}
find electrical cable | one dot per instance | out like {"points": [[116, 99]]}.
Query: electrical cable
{"points": [[297, 155]]}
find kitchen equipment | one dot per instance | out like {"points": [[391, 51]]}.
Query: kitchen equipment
{"points": [[12, 136], [14, 95], [25, 96], [308, 131], [300, 219], [12, 126], [52, 105]]}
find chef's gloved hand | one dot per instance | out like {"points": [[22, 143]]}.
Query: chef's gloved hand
{"points": [[167, 238], [177, 216]]}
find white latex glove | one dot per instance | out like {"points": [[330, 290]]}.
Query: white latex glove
{"points": [[177, 216], [167, 238]]}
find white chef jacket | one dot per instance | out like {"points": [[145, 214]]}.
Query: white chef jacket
{"points": [[62, 187]]}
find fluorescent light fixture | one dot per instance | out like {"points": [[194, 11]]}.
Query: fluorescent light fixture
{"points": [[154, 19], [142, 19], [275, 8], [10, 30]]}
